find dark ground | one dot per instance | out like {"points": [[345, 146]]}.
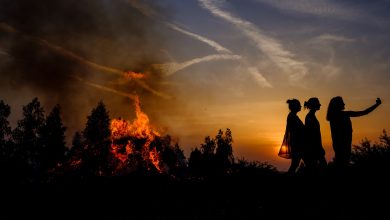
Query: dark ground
{"points": [[275, 196]]}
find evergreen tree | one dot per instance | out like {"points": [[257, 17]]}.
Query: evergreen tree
{"points": [[26, 139], [180, 155], [5, 129], [75, 156], [77, 144], [97, 133], [195, 162], [52, 140], [5, 132], [97, 129]]}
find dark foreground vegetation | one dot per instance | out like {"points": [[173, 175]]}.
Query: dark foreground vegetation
{"points": [[254, 196], [42, 179]]}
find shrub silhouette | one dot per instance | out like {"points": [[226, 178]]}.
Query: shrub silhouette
{"points": [[374, 158], [214, 157]]}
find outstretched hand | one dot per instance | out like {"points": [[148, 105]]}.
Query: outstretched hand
{"points": [[378, 101]]}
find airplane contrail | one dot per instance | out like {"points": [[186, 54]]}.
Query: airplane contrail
{"points": [[104, 88], [224, 53], [259, 78], [171, 68], [271, 47], [63, 51], [128, 75], [149, 12], [211, 43]]}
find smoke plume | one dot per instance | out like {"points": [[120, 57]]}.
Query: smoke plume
{"points": [[56, 51]]}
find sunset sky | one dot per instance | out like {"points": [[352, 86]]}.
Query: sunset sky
{"points": [[209, 64]]}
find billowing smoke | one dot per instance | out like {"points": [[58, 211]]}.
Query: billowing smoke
{"points": [[73, 52]]}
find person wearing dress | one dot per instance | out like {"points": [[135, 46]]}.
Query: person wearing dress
{"points": [[314, 153]]}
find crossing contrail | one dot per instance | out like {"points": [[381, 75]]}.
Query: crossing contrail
{"points": [[269, 46]]}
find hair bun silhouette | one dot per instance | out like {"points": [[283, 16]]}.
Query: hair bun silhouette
{"points": [[312, 102], [290, 101]]}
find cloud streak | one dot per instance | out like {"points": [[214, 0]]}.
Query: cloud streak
{"points": [[274, 50], [205, 40], [319, 7], [259, 78], [104, 88], [174, 67], [223, 53], [369, 13], [333, 38], [171, 68]]}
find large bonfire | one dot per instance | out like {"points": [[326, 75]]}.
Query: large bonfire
{"points": [[131, 142]]}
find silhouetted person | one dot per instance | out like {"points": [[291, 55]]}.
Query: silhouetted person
{"points": [[314, 153], [294, 135], [341, 129]]}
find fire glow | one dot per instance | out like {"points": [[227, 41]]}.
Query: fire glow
{"points": [[129, 138], [134, 75]]}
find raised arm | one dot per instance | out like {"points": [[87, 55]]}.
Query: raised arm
{"points": [[364, 112]]}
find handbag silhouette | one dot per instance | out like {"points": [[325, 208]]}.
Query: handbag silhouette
{"points": [[285, 149]]}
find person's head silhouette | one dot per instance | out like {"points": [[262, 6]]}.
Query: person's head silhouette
{"points": [[313, 104], [336, 105], [294, 105]]}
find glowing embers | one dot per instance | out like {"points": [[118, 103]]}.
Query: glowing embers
{"points": [[131, 142], [134, 75]]}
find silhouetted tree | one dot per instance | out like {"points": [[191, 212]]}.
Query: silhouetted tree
{"points": [[207, 166], [52, 140], [172, 157], [77, 144], [208, 147], [5, 142], [195, 162], [98, 125], [97, 134], [224, 151], [74, 158], [182, 160], [5, 129], [215, 155], [26, 139]]}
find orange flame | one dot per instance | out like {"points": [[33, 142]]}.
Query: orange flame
{"points": [[134, 75], [122, 132]]}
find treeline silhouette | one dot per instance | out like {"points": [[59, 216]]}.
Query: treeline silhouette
{"points": [[41, 177], [36, 152]]}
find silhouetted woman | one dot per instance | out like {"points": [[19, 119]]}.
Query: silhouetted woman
{"points": [[314, 153], [294, 134], [341, 129]]}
